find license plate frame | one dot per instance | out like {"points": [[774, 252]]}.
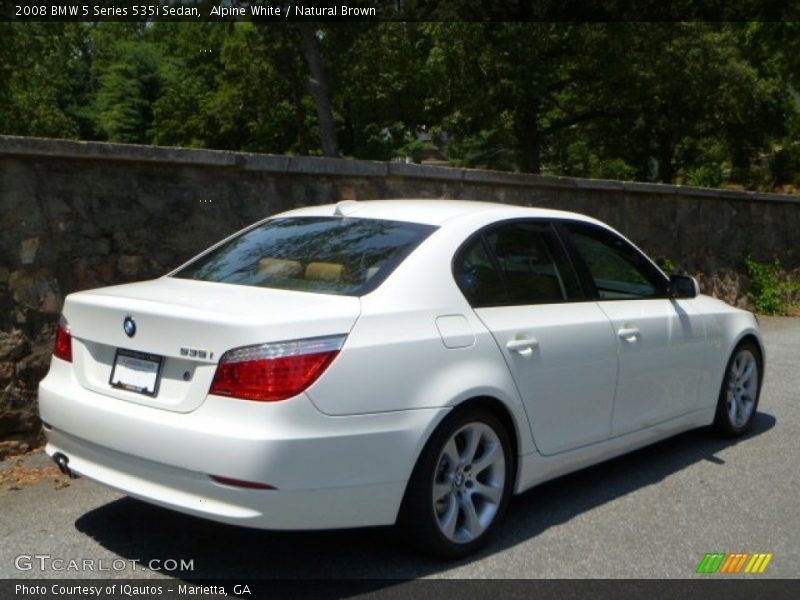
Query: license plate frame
{"points": [[138, 368]]}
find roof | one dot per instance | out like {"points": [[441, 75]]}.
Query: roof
{"points": [[431, 212]]}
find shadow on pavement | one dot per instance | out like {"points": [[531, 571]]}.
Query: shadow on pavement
{"points": [[136, 530]]}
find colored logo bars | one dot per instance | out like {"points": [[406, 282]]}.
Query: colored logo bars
{"points": [[738, 562]]}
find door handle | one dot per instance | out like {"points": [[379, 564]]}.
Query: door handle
{"points": [[524, 346], [629, 334]]}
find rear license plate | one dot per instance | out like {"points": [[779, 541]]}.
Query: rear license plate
{"points": [[136, 371]]}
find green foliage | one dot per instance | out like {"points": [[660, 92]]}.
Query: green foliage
{"points": [[784, 165], [237, 87], [772, 292], [667, 265], [709, 175], [44, 79], [578, 159], [413, 149], [128, 89], [383, 92], [490, 147], [615, 168]]}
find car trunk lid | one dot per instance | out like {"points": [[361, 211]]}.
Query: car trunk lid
{"points": [[189, 325]]}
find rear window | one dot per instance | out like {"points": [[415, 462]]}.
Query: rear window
{"points": [[329, 255]]}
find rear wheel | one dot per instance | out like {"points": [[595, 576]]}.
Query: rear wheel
{"points": [[741, 387], [461, 486]]}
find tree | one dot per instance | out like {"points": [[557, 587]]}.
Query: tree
{"points": [[506, 88], [687, 104], [383, 89], [44, 79], [241, 87], [128, 89]]}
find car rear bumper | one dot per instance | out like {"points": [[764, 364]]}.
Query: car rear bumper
{"points": [[197, 494], [328, 472]]}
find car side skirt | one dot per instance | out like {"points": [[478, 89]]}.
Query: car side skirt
{"points": [[535, 468]]}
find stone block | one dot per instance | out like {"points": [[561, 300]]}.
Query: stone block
{"points": [[38, 290], [28, 248], [13, 345]]}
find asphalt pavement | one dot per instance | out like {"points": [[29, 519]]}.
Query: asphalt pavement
{"points": [[654, 513]]}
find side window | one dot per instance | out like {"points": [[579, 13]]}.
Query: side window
{"points": [[477, 277], [619, 271], [525, 264]]}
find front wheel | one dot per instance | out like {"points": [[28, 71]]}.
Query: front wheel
{"points": [[461, 486], [741, 387]]}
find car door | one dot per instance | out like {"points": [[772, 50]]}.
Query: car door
{"points": [[558, 345], [660, 340]]}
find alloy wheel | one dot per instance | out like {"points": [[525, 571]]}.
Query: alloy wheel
{"points": [[469, 482]]}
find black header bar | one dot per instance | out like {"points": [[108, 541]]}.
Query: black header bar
{"points": [[278, 11]]}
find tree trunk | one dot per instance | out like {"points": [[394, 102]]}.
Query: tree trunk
{"points": [[318, 88], [740, 157], [529, 142], [666, 168], [303, 142]]}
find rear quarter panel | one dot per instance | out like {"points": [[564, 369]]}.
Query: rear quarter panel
{"points": [[395, 358]]}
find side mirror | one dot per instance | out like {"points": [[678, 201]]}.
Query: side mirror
{"points": [[683, 286]]}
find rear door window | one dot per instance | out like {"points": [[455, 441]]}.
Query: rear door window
{"points": [[518, 263]]}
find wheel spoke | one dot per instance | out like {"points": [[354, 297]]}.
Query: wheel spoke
{"points": [[740, 410], [492, 494], [487, 459], [473, 439], [440, 490], [748, 402], [744, 377], [733, 408], [736, 367], [471, 521], [451, 453], [448, 521]]}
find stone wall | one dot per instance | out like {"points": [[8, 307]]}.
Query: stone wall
{"points": [[77, 215]]}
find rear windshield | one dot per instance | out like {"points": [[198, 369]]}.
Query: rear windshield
{"points": [[329, 255]]}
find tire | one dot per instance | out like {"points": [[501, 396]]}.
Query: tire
{"points": [[460, 487], [740, 391]]}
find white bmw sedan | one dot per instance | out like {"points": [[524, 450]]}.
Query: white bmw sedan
{"points": [[408, 361]]}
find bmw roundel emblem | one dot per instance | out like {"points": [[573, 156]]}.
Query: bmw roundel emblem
{"points": [[129, 325]]}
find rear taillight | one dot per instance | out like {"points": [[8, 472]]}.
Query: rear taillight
{"points": [[270, 372], [63, 349]]}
